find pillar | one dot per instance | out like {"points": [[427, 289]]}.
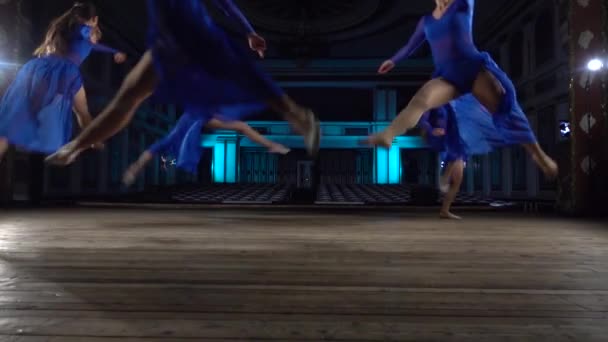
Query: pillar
{"points": [[587, 109], [387, 165], [225, 160]]}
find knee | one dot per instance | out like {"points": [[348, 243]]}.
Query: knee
{"points": [[421, 102]]}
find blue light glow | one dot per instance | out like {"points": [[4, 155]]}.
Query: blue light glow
{"points": [[394, 164], [219, 157], [381, 166], [230, 166]]}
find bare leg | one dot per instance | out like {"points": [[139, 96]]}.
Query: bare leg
{"points": [[302, 120], [444, 179], [544, 162], [249, 132], [456, 172], [3, 148], [433, 94], [136, 87], [135, 169], [489, 92], [81, 109]]}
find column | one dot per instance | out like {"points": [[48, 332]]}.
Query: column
{"points": [[587, 109], [225, 160], [387, 166]]}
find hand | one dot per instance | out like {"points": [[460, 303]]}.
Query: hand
{"points": [[93, 22], [386, 67], [257, 43], [120, 58], [438, 132]]}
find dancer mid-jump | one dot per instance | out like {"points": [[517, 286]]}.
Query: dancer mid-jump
{"points": [[184, 142], [441, 134], [36, 110], [462, 69], [193, 63]]}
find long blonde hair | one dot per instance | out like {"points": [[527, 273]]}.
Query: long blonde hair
{"points": [[62, 28]]}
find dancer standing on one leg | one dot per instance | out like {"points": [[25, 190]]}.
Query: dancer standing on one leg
{"points": [[36, 110], [441, 133], [192, 62], [461, 69], [183, 143]]}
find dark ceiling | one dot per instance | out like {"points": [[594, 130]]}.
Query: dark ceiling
{"points": [[316, 28], [315, 22]]}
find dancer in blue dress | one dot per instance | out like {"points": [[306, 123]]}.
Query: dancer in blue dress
{"points": [[193, 63], [462, 69], [441, 133], [184, 143], [36, 110]]}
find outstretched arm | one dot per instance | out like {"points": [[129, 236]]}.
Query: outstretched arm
{"points": [[231, 10], [104, 48], [413, 44], [119, 57]]}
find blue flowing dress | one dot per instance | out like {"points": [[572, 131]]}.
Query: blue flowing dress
{"points": [[450, 145], [198, 65], [36, 110], [480, 138], [184, 141], [458, 61]]}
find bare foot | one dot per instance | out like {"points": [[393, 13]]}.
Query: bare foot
{"points": [[382, 139], [64, 156], [279, 149], [449, 216], [548, 166], [129, 177], [311, 133]]}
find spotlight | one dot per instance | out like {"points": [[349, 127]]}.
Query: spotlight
{"points": [[595, 65], [564, 129]]}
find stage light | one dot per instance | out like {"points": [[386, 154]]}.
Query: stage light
{"points": [[595, 65], [564, 129], [9, 65]]}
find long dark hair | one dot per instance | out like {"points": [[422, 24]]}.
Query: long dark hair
{"points": [[62, 28]]}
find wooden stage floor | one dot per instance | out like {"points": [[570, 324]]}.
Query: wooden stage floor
{"points": [[104, 275]]}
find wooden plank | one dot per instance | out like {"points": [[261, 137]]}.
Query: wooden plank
{"points": [[166, 275]]}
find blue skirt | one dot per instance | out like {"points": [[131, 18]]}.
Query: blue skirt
{"points": [[198, 65], [450, 146], [184, 141], [511, 126], [36, 110]]}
